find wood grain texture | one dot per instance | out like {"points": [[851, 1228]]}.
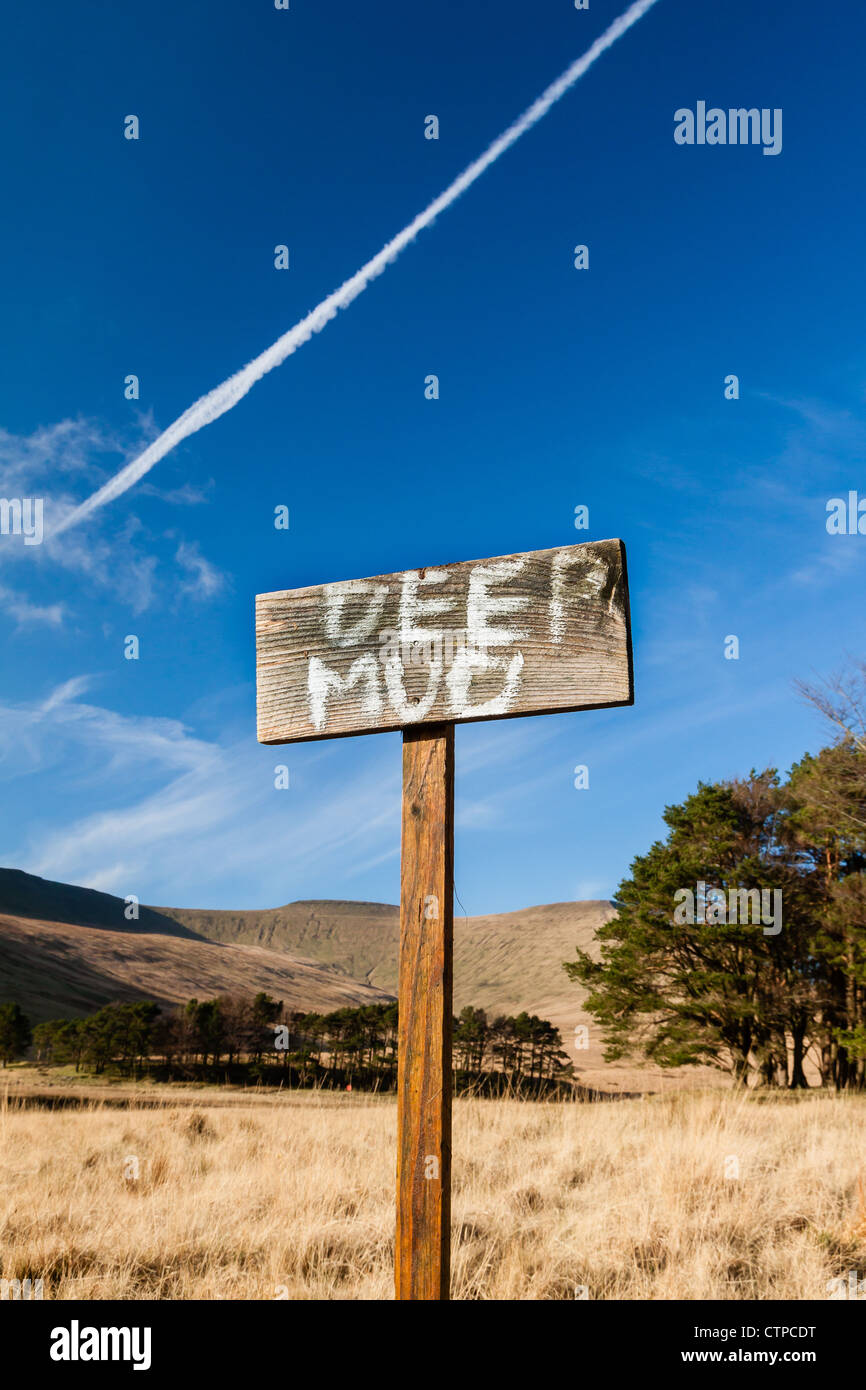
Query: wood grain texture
{"points": [[534, 633], [423, 1236]]}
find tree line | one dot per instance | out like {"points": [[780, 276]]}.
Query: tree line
{"points": [[775, 995], [240, 1038]]}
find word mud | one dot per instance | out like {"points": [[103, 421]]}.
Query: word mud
{"points": [[484, 639]]}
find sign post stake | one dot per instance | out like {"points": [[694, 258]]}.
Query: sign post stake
{"points": [[541, 632], [423, 1233]]}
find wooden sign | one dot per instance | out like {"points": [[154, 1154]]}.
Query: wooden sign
{"points": [[486, 639], [536, 633]]}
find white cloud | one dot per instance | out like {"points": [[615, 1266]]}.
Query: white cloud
{"points": [[204, 579], [188, 494], [590, 889], [123, 559], [136, 804], [28, 614], [65, 693], [70, 448], [175, 818], [837, 557]]}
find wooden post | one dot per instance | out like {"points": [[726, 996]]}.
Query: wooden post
{"points": [[541, 632], [423, 1244]]}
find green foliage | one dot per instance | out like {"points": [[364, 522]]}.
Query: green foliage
{"points": [[725, 992], [523, 1046], [15, 1033], [232, 1037]]}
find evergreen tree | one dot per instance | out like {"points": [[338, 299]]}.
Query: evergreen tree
{"points": [[711, 990], [15, 1033]]}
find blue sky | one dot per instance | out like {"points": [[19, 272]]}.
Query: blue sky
{"points": [[557, 387]]}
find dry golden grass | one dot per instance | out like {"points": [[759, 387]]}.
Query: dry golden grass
{"points": [[293, 1197]]}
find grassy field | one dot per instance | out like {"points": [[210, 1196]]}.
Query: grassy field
{"points": [[291, 1196]]}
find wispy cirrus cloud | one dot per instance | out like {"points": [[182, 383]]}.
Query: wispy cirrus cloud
{"points": [[171, 816], [176, 818], [27, 614], [824, 423], [124, 560], [203, 579]]}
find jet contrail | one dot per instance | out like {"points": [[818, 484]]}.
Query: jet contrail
{"points": [[210, 407]]}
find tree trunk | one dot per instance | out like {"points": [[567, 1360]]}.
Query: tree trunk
{"points": [[798, 1076]]}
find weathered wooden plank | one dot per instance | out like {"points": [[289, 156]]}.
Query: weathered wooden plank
{"points": [[423, 1243], [536, 633]]}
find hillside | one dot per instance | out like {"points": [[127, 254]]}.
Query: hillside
{"points": [[54, 967], [359, 939], [25, 895], [503, 963], [68, 950]]}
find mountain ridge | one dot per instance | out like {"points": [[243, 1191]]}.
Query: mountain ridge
{"points": [[316, 955]]}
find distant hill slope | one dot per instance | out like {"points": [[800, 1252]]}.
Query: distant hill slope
{"points": [[360, 939], [502, 963], [25, 895], [55, 967], [68, 950]]}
